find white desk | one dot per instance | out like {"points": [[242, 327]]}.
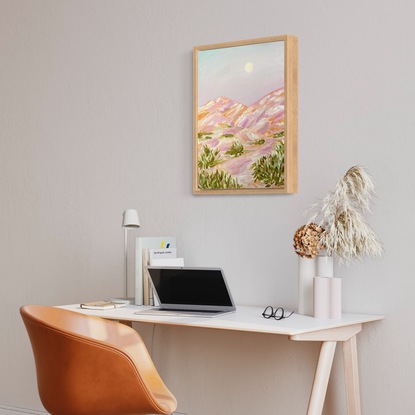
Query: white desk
{"points": [[296, 328]]}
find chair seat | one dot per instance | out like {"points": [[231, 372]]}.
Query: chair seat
{"points": [[88, 365]]}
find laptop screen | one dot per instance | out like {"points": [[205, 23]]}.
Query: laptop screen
{"points": [[196, 288]]}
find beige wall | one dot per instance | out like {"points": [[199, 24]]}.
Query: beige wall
{"points": [[96, 117]]}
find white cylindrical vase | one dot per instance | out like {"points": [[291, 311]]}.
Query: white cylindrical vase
{"points": [[306, 273], [325, 266], [327, 297]]}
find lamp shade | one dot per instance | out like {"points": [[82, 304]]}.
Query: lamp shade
{"points": [[130, 219]]}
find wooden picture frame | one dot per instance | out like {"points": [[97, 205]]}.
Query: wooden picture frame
{"points": [[245, 106]]}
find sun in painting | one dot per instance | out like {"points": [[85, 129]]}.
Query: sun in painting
{"points": [[249, 67]]}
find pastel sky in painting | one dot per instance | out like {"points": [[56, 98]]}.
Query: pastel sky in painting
{"points": [[242, 73]]}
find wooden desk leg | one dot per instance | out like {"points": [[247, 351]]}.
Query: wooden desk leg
{"points": [[321, 378], [351, 374], [329, 339]]}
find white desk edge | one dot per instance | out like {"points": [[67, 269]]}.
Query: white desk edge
{"points": [[245, 318]]}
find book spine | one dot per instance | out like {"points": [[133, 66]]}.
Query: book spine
{"points": [[146, 282]]}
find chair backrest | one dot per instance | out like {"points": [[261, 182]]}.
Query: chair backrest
{"points": [[88, 365]]}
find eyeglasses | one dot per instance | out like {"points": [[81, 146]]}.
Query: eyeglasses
{"points": [[278, 314]]}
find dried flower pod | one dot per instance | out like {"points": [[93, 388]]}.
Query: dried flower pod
{"points": [[308, 240]]}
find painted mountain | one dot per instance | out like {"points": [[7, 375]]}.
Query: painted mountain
{"points": [[240, 146]]}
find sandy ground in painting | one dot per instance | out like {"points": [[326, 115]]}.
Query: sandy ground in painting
{"points": [[257, 127]]}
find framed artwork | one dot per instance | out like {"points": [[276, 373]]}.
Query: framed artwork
{"points": [[245, 117]]}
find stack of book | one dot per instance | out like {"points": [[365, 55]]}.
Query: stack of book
{"points": [[160, 257], [154, 251]]}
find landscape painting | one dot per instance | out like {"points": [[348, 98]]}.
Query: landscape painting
{"points": [[245, 117]]}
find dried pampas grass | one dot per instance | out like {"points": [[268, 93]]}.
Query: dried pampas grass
{"points": [[341, 214]]}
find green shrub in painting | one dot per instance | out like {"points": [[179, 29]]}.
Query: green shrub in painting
{"points": [[279, 135], [204, 136], [217, 180], [270, 169], [208, 158], [236, 149]]}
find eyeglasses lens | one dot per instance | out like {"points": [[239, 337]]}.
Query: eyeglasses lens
{"points": [[268, 312], [279, 313]]}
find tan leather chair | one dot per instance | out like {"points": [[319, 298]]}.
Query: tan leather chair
{"points": [[88, 365]]}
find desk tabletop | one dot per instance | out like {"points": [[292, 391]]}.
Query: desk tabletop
{"points": [[245, 318]]}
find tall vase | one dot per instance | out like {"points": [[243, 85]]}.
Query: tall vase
{"points": [[327, 290], [306, 273], [325, 266]]}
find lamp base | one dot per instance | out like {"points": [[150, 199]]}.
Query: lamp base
{"points": [[123, 300]]}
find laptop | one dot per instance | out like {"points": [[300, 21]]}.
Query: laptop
{"points": [[201, 292]]}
